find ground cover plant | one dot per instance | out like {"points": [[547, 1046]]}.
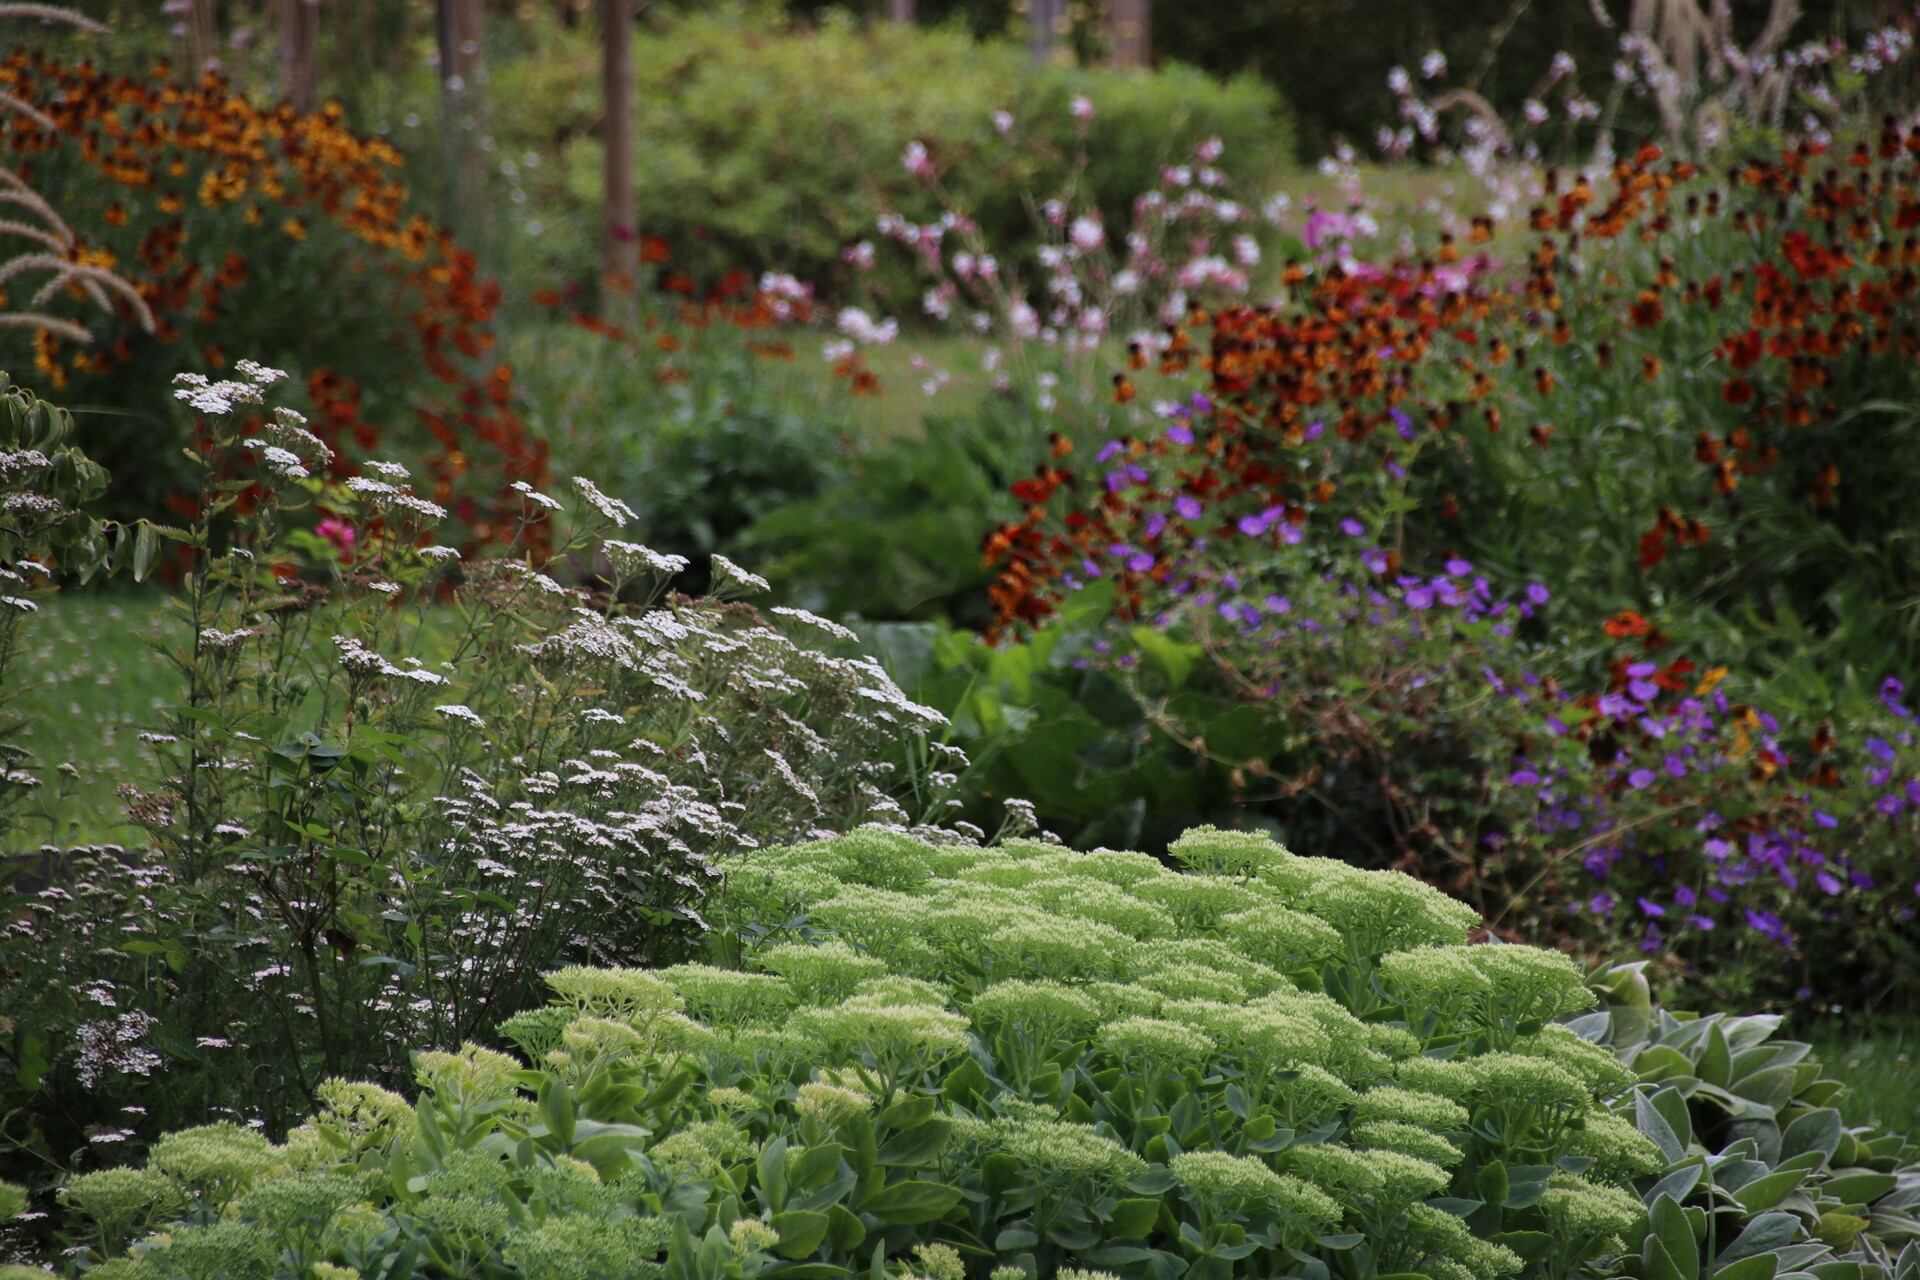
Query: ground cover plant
{"points": [[948, 1060], [388, 780]]}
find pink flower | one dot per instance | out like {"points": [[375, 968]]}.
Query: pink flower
{"points": [[1082, 107], [338, 532], [1324, 225]]}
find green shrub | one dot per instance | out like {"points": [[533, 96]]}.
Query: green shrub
{"points": [[895, 536], [770, 147], [701, 431]]}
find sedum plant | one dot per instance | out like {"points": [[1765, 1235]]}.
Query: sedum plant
{"points": [[918, 1059]]}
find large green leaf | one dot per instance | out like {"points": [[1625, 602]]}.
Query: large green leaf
{"points": [[801, 1232], [906, 1203], [1761, 1266], [1817, 1131]]}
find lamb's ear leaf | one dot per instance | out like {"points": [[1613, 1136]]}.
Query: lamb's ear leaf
{"points": [[1654, 1125], [1760, 1266], [1815, 1131]]}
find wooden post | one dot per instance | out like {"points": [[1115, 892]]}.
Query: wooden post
{"points": [[461, 99], [900, 10], [299, 53], [1044, 19], [1130, 31], [203, 35], [620, 232]]}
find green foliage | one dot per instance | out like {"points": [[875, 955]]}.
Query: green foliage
{"points": [[702, 431], [769, 147], [895, 537], [1004, 1083], [382, 797], [1758, 1174]]}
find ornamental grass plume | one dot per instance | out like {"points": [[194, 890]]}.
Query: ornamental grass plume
{"points": [[58, 251]]}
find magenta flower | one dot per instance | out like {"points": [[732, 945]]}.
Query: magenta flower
{"points": [[338, 532]]}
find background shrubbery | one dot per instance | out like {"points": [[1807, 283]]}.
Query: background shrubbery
{"points": [[788, 174]]}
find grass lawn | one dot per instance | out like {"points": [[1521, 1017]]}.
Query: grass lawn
{"points": [[85, 686], [1875, 1058]]}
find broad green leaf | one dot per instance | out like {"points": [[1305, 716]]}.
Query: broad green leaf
{"points": [[1716, 1061], [1492, 1182], [556, 1109], [846, 1229], [801, 1232], [1528, 1244], [1764, 1193], [1858, 1188], [1133, 1219], [1839, 1229], [911, 1111], [906, 1203], [1762, 1235], [919, 1145], [815, 1166], [1654, 1125], [1173, 659], [1761, 1266]]}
